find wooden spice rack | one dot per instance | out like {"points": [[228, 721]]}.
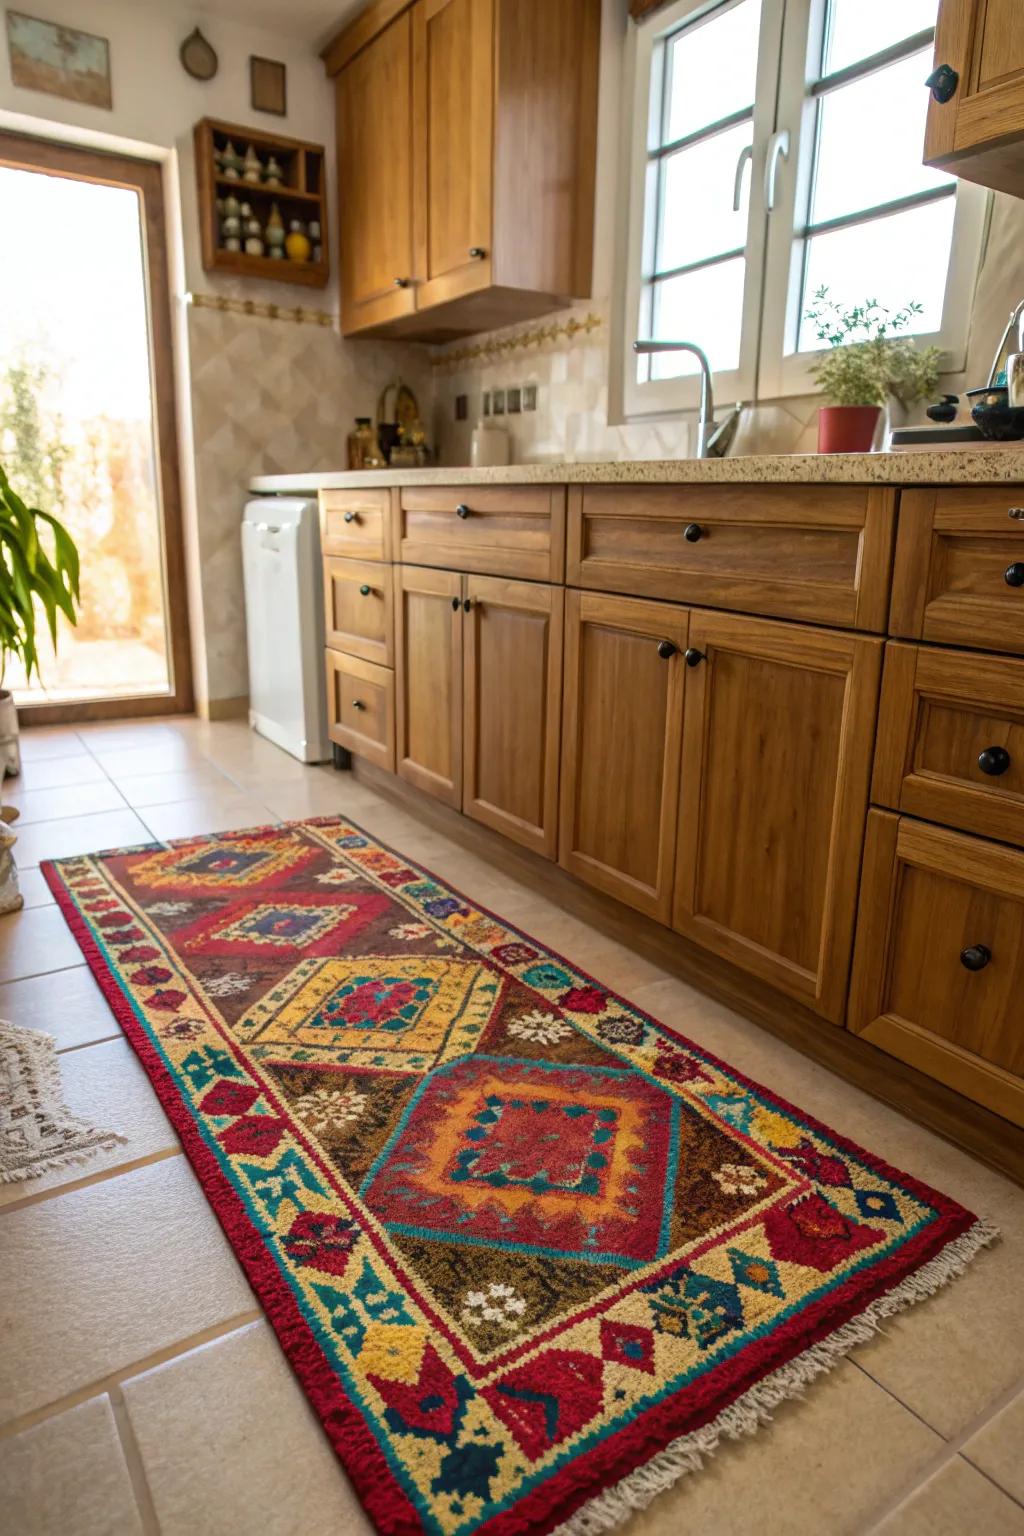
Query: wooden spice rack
{"points": [[301, 195]]}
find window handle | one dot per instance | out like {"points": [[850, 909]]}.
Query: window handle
{"points": [[778, 149], [746, 155]]}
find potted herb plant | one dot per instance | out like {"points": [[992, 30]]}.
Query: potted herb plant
{"points": [[867, 365], [29, 575]]}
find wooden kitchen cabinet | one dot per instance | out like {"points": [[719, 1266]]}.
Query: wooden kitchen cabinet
{"points": [[361, 708], [512, 708], [777, 744], [623, 715], [466, 159], [978, 132], [939, 968], [428, 705]]}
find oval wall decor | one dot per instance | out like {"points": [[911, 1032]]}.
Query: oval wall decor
{"points": [[198, 56]]}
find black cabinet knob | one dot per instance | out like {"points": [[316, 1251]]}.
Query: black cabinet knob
{"points": [[942, 82], [994, 761], [358, 704], [364, 590], [975, 957], [456, 604], [351, 517], [462, 510], [666, 649], [401, 282], [467, 603], [477, 253], [1014, 574], [693, 657], [693, 533]]}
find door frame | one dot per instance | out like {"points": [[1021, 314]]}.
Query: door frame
{"points": [[52, 157]]}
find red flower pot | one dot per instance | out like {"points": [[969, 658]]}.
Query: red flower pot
{"points": [[847, 428]]}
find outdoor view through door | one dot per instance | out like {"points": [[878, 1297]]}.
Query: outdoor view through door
{"points": [[86, 423]]}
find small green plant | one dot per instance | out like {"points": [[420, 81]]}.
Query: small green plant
{"points": [[28, 573], [868, 362]]}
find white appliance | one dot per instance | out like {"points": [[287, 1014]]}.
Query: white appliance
{"points": [[284, 616]]}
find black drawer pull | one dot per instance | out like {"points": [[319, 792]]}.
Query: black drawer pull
{"points": [[462, 510], [975, 957], [693, 533], [994, 761], [351, 517], [666, 649], [467, 603], [1014, 574], [364, 590], [456, 604], [477, 253], [693, 657], [358, 704], [942, 83]]}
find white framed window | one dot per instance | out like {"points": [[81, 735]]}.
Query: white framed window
{"points": [[777, 150]]}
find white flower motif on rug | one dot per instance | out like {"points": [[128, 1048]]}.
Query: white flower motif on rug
{"points": [[497, 1303], [336, 876], [544, 1028], [329, 1109], [169, 908], [736, 1179], [228, 985]]}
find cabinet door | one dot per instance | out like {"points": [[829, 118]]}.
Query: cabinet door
{"points": [[777, 743], [453, 103], [357, 609], [939, 970], [513, 708], [360, 708], [428, 645], [977, 131], [375, 190], [620, 755]]}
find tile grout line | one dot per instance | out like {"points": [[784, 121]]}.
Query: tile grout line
{"points": [[101, 1176], [134, 1463], [116, 1379], [949, 1451]]}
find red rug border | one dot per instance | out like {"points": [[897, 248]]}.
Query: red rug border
{"points": [[628, 1448]]}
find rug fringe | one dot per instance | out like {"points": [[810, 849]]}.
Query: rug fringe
{"points": [[756, 1406], [54, 1162]]}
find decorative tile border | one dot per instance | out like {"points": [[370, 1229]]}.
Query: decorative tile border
{"points": [[298, 314]]}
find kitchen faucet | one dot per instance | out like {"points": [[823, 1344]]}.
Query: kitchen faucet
{"points": [[706, 419]]}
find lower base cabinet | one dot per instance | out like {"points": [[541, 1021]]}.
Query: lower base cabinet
{"points": [[361, 708], [938, 975], [428, 703]]}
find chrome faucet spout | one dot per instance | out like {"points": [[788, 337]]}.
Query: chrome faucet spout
{"points": [[706, 416]]}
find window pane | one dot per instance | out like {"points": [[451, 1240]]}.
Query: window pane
{"points": [[712, 69], [858, 28], [697, 218], [871, 138], [893, 261], [705, 306]]}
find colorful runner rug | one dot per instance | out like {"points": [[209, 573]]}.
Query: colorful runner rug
{"points": [[530, 1252]]}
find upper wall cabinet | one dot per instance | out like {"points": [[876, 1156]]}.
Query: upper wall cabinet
{"points": [[466, 153], [976, 114]]}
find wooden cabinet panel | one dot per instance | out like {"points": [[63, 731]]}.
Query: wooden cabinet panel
{"points": [[939, 967], [621, 733], [358, 609], [977, 132], [777, 743], [959, 572], [512, 648], [356, 524], [428, 644], [800, 552], [361, 708], [492, 530], [453, 92], [375, 180], [951, 739]]}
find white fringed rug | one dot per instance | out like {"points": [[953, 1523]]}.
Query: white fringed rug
{"points": [[38, 1132]]}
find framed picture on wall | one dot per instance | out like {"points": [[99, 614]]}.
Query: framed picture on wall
{"points": [[59, 60], [268, 85]]}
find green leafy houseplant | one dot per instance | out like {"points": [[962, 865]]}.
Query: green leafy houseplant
{"points": [[867, 364], [28, 573]]}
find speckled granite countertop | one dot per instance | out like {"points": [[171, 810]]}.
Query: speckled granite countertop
{"points": [[969, 466]]}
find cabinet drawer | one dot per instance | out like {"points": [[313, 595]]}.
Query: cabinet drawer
{"points": [[939, 966], [361, 708], [951, 739], [358, 609], [490, 530], [797, 552], [356, 523], [959, 572]]}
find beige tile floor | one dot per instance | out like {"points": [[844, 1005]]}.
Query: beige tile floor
{"points": [[141, 1390]]}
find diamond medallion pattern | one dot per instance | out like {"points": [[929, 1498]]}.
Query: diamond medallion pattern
{"points": [[515, 1236]]}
